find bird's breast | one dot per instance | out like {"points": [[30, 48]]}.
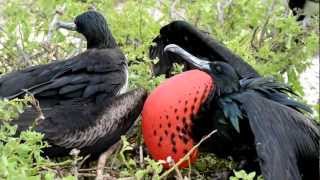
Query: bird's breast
{"points": [[168, 112]]}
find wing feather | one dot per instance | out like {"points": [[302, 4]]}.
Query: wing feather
{"points": [[198, 43], [285, 139], [72, 78]]}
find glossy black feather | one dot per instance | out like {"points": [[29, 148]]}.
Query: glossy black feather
{"points": [[254, 126], [196, 42], [101, 69], [287, 143], [301, 8], [282, 139], [258, 120], [84, 124], [276, 91], [94, 27], [90, 73]]}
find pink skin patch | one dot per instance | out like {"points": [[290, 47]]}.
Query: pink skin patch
{"points": [[167, 115]]}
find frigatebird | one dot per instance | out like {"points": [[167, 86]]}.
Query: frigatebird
{"points": [[198, 43], [89, 126], [258, 123], [304, 9], [99, 71]]}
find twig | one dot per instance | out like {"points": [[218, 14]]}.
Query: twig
{"points": [[197, 19], [173, 9], [220, 7], [141, 155], [82, 161], [264, 26], [88, 170], [188, 154], [253, 38], [220, 12], [103, 158], [86, 175], [189, 172], [20, 47], [36, 105], [171, 163], [75, 153], [127, 178], [92, 7], [177, 13], [52, 26]]}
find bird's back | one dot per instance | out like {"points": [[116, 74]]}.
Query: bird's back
{"points": [[88, 74]]}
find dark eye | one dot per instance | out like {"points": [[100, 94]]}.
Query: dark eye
{"points": [[218, 68]]}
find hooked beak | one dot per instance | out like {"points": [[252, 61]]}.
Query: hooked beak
{"points": [[66, 25], [186, 56]]}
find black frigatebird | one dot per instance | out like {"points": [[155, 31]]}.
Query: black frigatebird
{"points": [[259, 124], [89, 126], [198, 43], [304, 9], [101, 70]]}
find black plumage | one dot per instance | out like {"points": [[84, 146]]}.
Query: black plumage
{"points": [[84, 124], [99, 71], [258, 123], [198, 43], [303, 8]]}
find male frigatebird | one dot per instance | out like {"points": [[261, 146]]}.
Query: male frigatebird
{"points": [[258, 123], [89, 126], [99, 71], [198, 43]]}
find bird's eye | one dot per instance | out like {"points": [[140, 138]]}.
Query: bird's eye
{"points": [[218, 68]]}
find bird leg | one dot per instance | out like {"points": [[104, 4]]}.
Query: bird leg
{"points": [[103, 158]]}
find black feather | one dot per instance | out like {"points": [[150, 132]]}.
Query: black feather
{"points": [[287, 143], [196, 42], [258, 120], [84, 124]]}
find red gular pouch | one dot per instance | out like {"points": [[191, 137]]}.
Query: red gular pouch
{"points": [[168, 113]]}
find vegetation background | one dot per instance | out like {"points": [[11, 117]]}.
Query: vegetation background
{"points": [[264, 33]]}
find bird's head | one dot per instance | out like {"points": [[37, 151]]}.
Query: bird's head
{"points": [[93, 26], [169, 111], [224, 75]]}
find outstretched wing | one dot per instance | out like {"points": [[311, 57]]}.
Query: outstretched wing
{"points": [[92, 72], [197, 43], [89, 127], [287, 142]]}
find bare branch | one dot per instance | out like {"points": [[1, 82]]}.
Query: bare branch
{"points": [[20, 47], [171, 11], [59, 11], [264, 26], [186, 157], [141, 156], [221, 6]]}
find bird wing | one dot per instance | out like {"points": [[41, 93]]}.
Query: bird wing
{"points": [[94, 71], [198, 43], [89, 127], [283, 137]]}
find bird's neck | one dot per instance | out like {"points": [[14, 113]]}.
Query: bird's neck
{"points": [[106, 42], [101, 39]]}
